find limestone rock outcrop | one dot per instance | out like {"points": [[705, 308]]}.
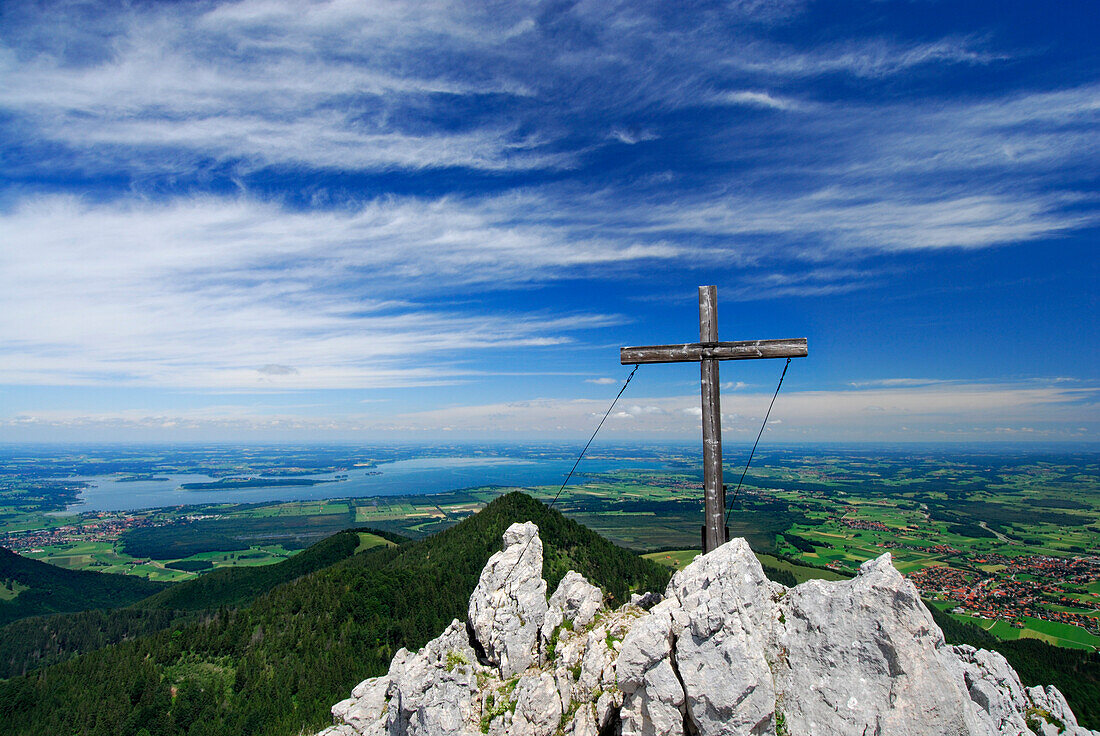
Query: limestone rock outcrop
{"points": [[865, 656], [575, 600], [725, 651], [508, 605]]}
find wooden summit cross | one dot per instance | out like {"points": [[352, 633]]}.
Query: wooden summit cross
{"points": [[708, 351]]}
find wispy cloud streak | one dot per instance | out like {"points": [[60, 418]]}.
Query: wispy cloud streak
{"points": [[211, 292]]}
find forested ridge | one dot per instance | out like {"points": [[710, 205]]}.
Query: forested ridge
{"points": [[53, 589], [236, 586], [40, 641], [276, 665]]}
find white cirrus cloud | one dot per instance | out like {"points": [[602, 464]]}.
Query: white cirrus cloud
{"points": [[751, 98], [374, 86], [259, 82], [218, 293], [208, 290], [632, 137], [868, 58]]}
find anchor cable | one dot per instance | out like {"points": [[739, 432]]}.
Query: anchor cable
{"points": [[754, 444], [575, 464]]}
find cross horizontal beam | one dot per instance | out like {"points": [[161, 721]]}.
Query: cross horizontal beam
{"points": [[694, 352]]}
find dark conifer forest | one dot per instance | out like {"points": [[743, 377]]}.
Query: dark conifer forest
{"points": [[53, 589]]}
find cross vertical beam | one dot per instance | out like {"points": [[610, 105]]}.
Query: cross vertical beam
{"points": [[714, 532]]}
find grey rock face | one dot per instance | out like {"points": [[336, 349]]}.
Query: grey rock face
{"points": [[434, 691], [538, 706], [576, 602], [508, 606], [1050, 710], [724, 632], [340, 730], [726, 652], [653, 696], [701, 654], [994, 688], [578, 599], [363, 710], [645, 601], [608, 709], [864, 655], [661, 709], [584, 722]]}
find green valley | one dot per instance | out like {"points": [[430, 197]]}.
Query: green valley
{"points": [[35, 588]]}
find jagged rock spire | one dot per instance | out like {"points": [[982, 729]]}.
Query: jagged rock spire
{"points": [[508, 605]]}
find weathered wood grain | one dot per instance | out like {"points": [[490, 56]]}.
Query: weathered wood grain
{"points": [[715, 500], [692, 352]]}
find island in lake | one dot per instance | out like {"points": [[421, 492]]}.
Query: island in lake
{"points": [[251, 483]]}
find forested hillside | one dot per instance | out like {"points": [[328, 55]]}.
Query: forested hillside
{"points": [[235, 586], [275, 666], [44, 588], [39, 641]]}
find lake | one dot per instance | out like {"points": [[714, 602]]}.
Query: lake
{"points": [[401, 478]]}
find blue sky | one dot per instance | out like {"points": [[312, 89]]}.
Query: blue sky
{"points": [[280, 221]]}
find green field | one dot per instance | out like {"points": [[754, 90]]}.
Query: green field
{"points": [[106, 557], [1052, 632], [370, 541], [801, 573], [10, 589], [678, 559]]}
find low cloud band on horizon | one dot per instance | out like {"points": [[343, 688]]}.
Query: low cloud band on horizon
{"points": [[954, 412]]}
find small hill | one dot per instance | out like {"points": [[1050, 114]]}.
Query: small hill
{"points": [[274, 666], [237, 586], [45, 588]]}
